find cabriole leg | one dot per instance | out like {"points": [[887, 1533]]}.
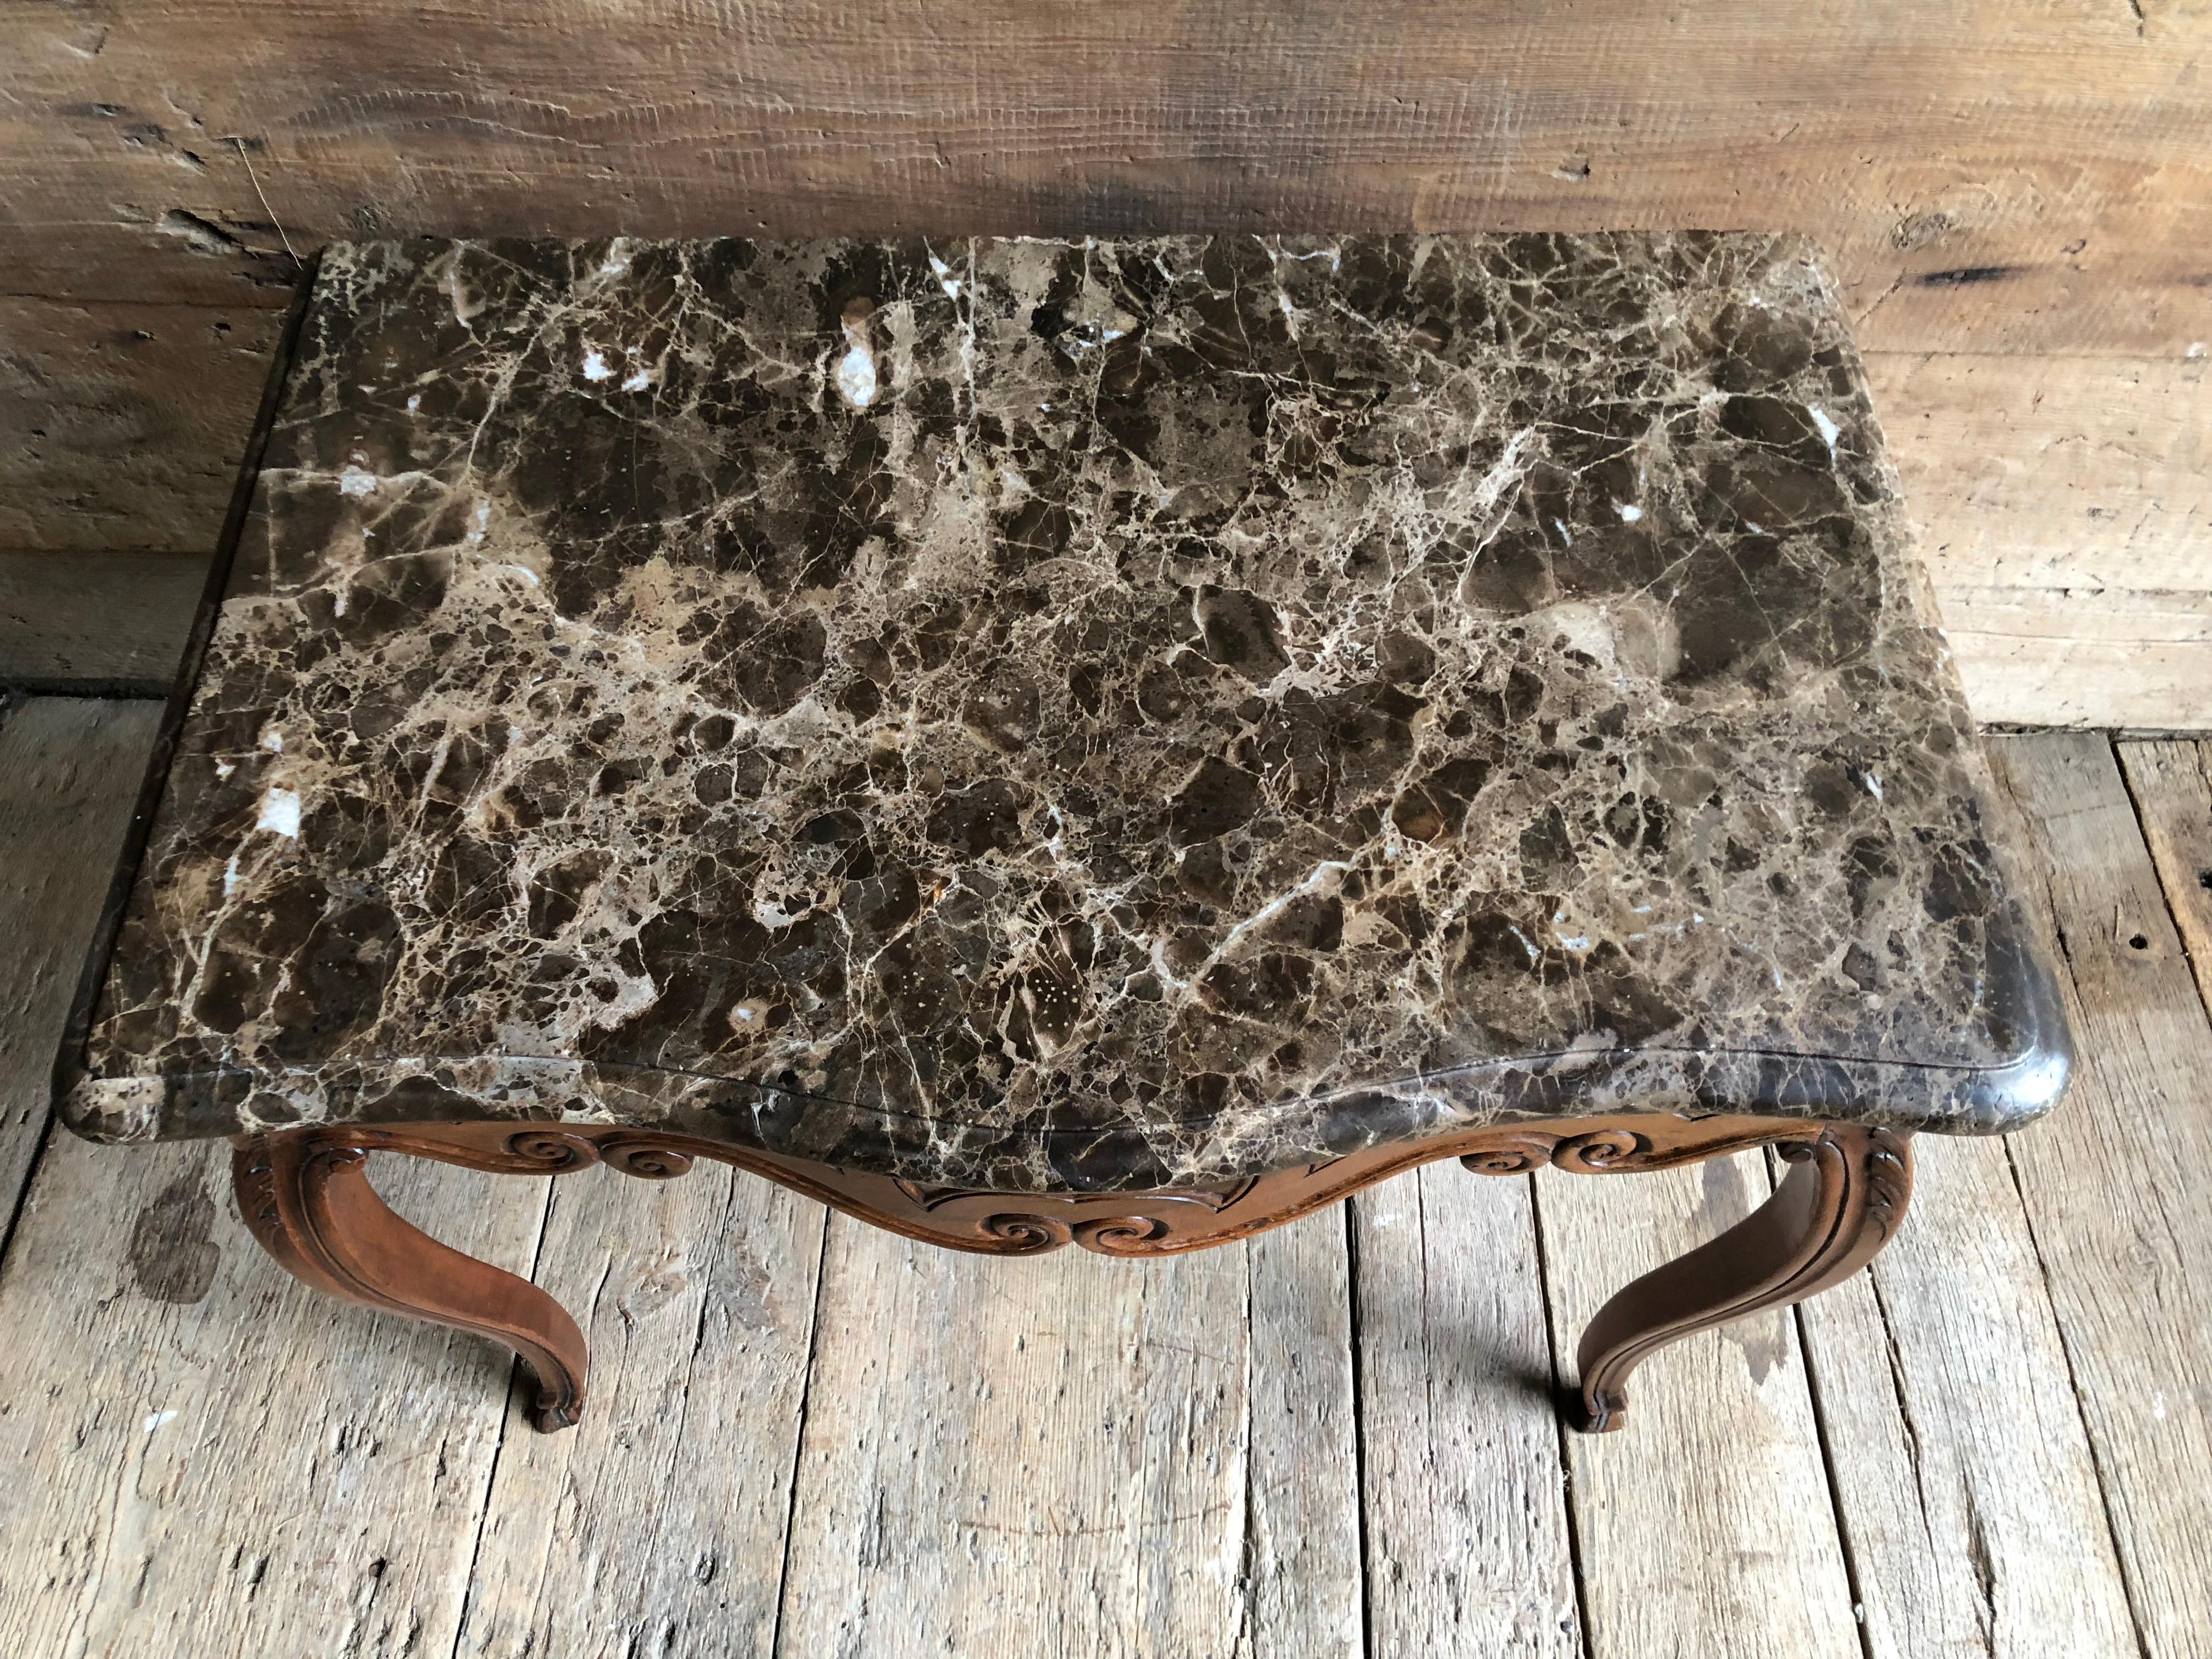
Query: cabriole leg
{"points": [[310, 1204], [1842, 1201]]}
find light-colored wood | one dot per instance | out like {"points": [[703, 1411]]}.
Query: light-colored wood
{"points": [[69, 770], [1302, 1576], [1962, 1472], [2061, 474], [2114, 660], [205, 1457], [1734, 1530], [657, 1526], [2172, 783], [2113, 1181], [101, 621], [1467, 1524], [122, 426], [2063, 505], [1045, 1455]]}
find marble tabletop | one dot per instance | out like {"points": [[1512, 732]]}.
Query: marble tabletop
{"points": [[1072, 713]]}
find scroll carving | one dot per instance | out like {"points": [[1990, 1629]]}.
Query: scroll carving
{"points": [[1620, 1148], [1161, 1222]]}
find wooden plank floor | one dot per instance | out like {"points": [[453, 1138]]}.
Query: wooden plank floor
{"points": [[810, 1438]]}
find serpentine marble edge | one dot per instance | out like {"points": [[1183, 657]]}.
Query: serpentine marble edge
{"points": [[1037, 714]]}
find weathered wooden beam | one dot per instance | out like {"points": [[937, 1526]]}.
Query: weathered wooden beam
{"points": [[96, 624], [122, 426], [70, 771], [1989, 179]]}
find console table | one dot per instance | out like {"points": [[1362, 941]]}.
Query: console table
{"points": [[1118, 742]]}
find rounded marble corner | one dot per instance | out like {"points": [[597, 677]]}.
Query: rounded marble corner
{"points": [[2033, 1085], [1999, 1099], [111, 1110]]}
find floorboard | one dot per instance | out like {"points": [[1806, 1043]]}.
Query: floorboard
{"points": [[1301, 1571], [1733, 1530], [657, 1526], [206, 1460], [69, 768], [2172, 783], [1044, 1456], [2113, 1179], [1468, 1549], [1972, 1537]]}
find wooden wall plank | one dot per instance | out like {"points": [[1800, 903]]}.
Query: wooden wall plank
{"points": [[1466, 1525], [1994, 183], [2054, 474], [1991, 177], [97, 622], [1050, 1455], [2111, 1180], [2064, 504], [205, 1458], [657, 1525], [2061, 680], [70, 770], [122, 426], [1711, 1510], [2172, 783], [1970, 1537]]}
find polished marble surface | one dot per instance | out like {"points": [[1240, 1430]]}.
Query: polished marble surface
{"points": [[1032, 713]]}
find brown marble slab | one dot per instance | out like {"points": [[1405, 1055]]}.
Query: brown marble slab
{"points": [[1030, 714]]}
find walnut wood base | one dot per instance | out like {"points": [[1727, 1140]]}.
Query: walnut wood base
{"points": [[306, 1195]]}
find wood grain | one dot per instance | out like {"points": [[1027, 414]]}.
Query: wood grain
{"points": [[657, 1526], [2064, 507], [2060, 475], [2114, 660], [2172, 783], [2112, 1179], [205, 1458], [1734, 1529], [1991, 178], [69, 772], [1970, 1537], [1049, 1455], [1458, 1439], [1303, 1575], [2018, 201], [122, 426], [96, 622]]}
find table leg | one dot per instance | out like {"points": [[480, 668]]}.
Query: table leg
{"points": [[310, 1204], [1843, 1199]]}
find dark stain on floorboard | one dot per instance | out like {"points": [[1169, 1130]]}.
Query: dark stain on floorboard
{"points": [[173, 1252]]}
